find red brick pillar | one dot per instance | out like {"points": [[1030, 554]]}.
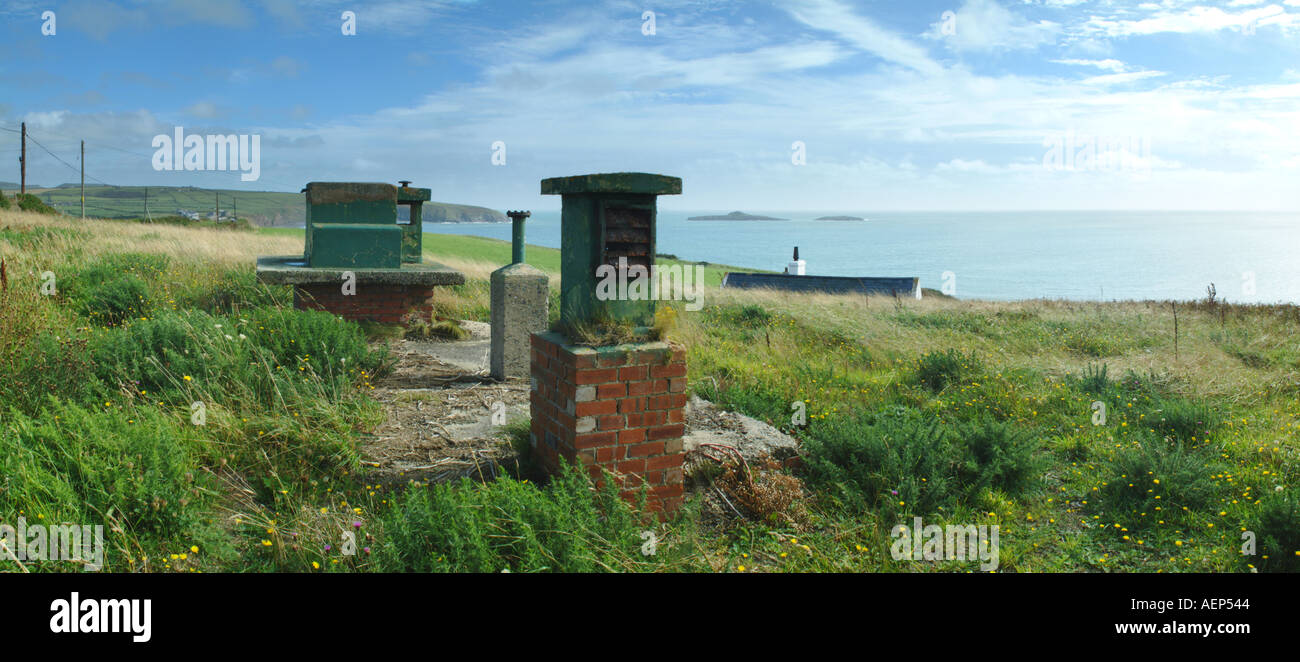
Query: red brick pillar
{"points": [[621, 409], [386, 303]]}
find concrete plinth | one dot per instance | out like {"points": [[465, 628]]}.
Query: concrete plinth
{"points": [[377, 295], [520, 304]]}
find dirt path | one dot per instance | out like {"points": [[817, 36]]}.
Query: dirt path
{"points": [[445, 415]]}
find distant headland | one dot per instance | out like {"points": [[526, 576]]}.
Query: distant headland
{"points": [[736, 216], [840, 218]]}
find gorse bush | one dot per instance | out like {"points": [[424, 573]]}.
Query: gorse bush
{"points": [[331, 346], [908, 463], [1158, 475], [1184, 420], [116, 288], [900, 464], [997, 455], [32, 203], [231, 292], [566, 526], [48, 365], [1277, 529], [936, 370], [100, 464], [179, 355]]}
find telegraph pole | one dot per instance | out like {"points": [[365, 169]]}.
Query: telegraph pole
{"points": [[216, 211], [22, 187], [236, 216], [83, 180]]}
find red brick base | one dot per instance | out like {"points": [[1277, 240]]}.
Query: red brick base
{"points": [[619, 409], [372, 302]]}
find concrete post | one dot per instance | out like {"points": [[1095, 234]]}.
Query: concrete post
{"points": [[520, 305]]}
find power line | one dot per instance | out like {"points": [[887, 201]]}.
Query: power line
{"points": [[56, 156]]}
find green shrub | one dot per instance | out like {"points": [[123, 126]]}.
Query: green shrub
{"points": [[759, 400], [260, 356], [1178, 476], [48, 364], [1095, 380], [331, 346], [903, 462], [1276, 524], [232, 291], [116, 287], [4, 201], [29, 202], [506, 524], [997, 455], [132, 465], [936, 370], [748, 316], [1184, 419], [899, 463], [156, 355]]}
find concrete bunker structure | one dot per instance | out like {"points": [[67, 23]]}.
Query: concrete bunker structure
{"points": [[359, 261]]}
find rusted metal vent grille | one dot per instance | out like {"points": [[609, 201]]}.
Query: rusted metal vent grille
{"points": [[627, 235]]}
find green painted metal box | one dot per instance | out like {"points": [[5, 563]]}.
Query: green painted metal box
{"points": [[356, 225], [607, 219], [356, 246]]}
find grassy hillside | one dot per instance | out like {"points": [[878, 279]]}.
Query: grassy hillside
{"points": [[266, 208], [961, 412]]}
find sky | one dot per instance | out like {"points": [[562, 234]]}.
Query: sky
{"points": [[791, 105]]}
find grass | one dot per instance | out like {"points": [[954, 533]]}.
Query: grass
{"points": [[1073, 426]]}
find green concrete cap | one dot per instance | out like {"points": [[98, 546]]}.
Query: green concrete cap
{"points": [[638, 183]]}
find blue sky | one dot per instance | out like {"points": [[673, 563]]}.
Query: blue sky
{"points": [[899, 104]]}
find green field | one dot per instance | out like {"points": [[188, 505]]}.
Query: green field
{"points": [[265, 208], [1095, 438]]}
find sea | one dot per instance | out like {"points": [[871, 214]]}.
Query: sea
{"points": [[1249, 257]]}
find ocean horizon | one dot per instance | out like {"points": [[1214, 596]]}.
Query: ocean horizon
{"points": [[1250, 257]]}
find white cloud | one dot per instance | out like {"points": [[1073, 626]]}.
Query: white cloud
{"points": [[985, 25], [862, 33], [1111, 65], [1120, 79], [1196, 19]]}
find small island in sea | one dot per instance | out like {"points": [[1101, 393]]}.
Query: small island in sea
{"points": [[840, 218], [736, 216]]}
